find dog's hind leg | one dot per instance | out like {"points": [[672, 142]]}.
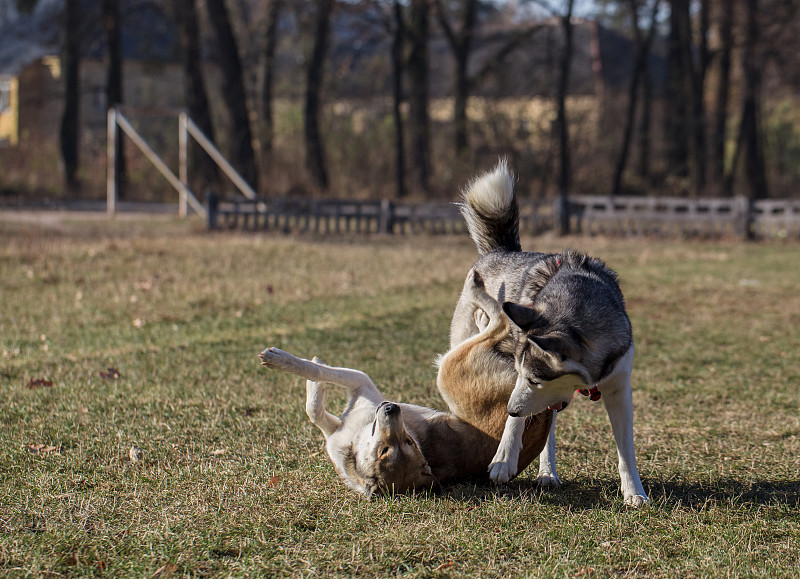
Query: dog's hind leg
{"points": [[357, 383], [547, 476], [315, 407]]}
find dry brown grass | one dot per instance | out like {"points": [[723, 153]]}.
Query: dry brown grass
{"points": [[232, 479]]}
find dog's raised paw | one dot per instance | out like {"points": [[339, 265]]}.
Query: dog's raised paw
{"points": [[273, 358]]}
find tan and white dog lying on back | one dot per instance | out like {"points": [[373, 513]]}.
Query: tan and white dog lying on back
{"points": [[386, 447]]}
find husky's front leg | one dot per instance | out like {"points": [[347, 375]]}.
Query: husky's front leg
{"points": [[506, 460], [547, 476], [619, 406]]}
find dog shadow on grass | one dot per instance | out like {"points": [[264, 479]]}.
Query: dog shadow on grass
{"points": [[605, 493]]}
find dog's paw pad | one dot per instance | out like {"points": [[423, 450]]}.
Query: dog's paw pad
{"points": [[548, 480], [272, 357]]}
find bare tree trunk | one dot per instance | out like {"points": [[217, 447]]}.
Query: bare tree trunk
{"points": [[315, 153], [695, 86], [723, 94], [644, 128], [640, 69], [418, 119], [561, 117], [242, 155], [460, 44], [676, 129], [194, 86], [398, 41], [268, 127], [750, 131], [70, 121], [112, 23], [686, 110]]}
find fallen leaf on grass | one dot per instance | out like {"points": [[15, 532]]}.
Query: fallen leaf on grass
{"points": [[110, 374], [584, 571], [39, 383], [220, 451], [444, 566], [608, 544], [274, 481], [73, 559], [165, 571], [41, 449], [135, 453]]}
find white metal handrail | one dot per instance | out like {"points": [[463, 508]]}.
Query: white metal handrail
{"points": [[186, 126], [186, 197]]}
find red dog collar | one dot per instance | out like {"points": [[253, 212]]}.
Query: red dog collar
{"points": [[593, 393]]}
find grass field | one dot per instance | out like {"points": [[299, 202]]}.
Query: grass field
{"points": [[144, 334]]}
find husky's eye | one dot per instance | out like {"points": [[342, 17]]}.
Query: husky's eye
{"points": [[409, 442], [384, 452], [534, 384]]}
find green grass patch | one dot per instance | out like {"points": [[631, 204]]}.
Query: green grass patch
{"points": [[144, 334]]}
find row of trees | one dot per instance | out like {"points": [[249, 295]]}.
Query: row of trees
{"points": [[701, 131]]}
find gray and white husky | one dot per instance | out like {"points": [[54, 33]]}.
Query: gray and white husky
{"points": [[569, 331]]}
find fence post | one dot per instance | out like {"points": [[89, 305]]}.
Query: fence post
{"points": [[183, 163], [744, 217], [111, 162], [212, 202], [386, 223], [561, 217]]}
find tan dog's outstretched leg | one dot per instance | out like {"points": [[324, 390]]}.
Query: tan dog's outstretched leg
{"points": [[358, 384], [315, 406]]}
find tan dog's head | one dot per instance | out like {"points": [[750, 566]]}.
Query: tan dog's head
{"points": [[384, 457]]}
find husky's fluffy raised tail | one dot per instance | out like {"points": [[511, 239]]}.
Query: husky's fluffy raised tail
{"points": [[490, 208]]}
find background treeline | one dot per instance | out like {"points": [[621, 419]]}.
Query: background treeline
{"points": [[407, 99]]}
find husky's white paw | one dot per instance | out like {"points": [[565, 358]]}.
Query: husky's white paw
{"points": [[547, 479], [636, 500], [502, 471]]}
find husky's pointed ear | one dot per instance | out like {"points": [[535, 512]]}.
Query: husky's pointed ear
{"points": [[523, 317], [553, 347]]}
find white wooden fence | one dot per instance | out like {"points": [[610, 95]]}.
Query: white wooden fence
{"points": [[592, 215]]}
